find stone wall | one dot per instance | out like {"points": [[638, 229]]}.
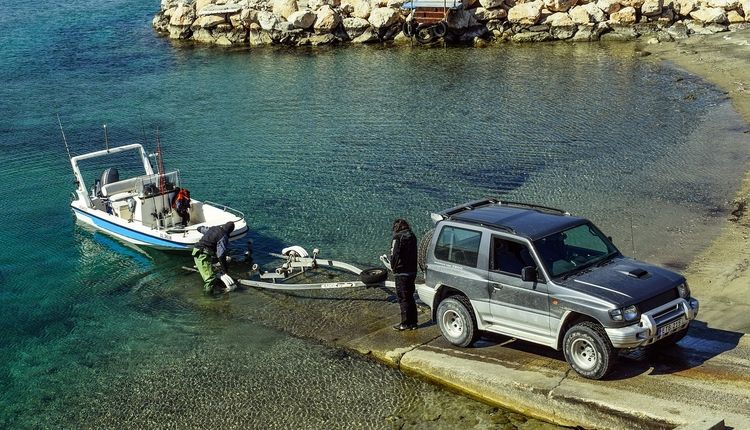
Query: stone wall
{"points": [[322, 22]]}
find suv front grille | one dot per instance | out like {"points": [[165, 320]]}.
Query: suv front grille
{"points": [[658, 300]]}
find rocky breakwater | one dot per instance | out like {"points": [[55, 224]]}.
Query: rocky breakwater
{"points": [[323, 22]]}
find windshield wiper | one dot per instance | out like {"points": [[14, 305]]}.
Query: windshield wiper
{"points": [[607, 259]]}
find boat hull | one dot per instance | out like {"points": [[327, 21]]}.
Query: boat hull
{"points": [[137, 234]]}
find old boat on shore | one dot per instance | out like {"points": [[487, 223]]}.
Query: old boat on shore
{"points": [[138, 209]]}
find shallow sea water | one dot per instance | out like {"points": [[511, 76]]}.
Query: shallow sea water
{"points": [[321, 148]]}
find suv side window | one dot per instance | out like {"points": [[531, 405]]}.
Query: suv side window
{"points": [[509, 257], [458, 245]]}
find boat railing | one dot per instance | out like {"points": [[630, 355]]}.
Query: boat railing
{"points": [[226, 208]]}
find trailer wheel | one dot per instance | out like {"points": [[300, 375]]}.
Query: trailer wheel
{"points": [[424, 34], [440, 29], [376, 275], [588, 350], [424, 245]]}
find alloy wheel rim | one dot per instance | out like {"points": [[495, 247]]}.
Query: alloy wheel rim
{"points": [[583, 354]]}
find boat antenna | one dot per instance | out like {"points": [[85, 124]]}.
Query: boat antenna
{"points": [[63, 135], [106, 138], [160, 161]]}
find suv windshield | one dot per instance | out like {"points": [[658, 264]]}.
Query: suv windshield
{"points": [[574, 249]]}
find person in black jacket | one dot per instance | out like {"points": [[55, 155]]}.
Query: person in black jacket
{"points": [[213, 244], [404, 267]]}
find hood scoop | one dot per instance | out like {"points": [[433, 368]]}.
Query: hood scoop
{"points": [[637, 273]]}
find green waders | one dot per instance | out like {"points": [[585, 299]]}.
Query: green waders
{"points": [[203, 263]]}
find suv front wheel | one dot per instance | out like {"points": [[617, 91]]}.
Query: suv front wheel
{"points": [[588, 350], [456, 320]]}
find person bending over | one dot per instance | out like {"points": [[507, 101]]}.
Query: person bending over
{"points": [[213, 244]]}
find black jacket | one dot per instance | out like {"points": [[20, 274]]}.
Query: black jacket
{"points": [[404, 252]]}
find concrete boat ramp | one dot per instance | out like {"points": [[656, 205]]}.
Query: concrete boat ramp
{"points": [[703, 384]]}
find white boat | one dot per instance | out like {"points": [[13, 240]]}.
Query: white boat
{"points": [[139, 210]]}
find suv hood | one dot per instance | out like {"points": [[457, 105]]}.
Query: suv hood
{"points": [[624, 281]]}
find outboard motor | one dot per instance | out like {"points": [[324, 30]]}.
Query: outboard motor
{"points": [[110, 175]]}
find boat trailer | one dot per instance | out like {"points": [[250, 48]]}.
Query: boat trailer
{"points": [[297, 262]]}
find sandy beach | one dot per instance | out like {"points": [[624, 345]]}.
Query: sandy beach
{"points": [[720, 275]]}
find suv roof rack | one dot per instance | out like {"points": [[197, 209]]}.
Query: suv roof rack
{"points": [[533, 206], [489, 201]]}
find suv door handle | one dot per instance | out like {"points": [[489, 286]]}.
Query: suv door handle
{"points": [[496, 286]]}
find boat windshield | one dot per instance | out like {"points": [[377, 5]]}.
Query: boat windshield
{"points": [[575, 249]]}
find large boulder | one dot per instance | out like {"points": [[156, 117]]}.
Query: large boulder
{"points": [[369, 36], [362, 9], [746, 9], [531, 36], [734, 17], [482, 14], [624, 16], [559, 5], [708, 15], [317, 4], [207, 21], [526, 14], [491, 4], [609, 6], [303, 19], [285, 8], [202, 35], [683, 7], [183, 15], [200, 4], [561, 25], [326, 20], [652, 7], [355, 27], [383, 17], [460, 19], [267, 20], [724, 4], [587, 13]]}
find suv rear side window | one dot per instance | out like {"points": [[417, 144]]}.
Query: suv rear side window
{"points": [[458, 245]]}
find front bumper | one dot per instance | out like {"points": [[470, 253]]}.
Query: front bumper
{"points": [[655, 324]]}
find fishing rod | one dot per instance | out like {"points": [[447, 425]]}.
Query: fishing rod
{"points": [[67, 148], [160, 164], [106, 138]]}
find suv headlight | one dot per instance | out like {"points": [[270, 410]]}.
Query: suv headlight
{"points": [[629, 313], [683, 290]]}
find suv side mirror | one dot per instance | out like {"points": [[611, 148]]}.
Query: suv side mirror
{"points": [[528, 274]]}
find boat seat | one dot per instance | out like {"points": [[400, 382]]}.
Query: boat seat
{"points": [[119, 187]]}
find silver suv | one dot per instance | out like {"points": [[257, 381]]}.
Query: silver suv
{"points": [[541, 275]]}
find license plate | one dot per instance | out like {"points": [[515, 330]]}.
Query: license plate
{"points": [[670, 327]]}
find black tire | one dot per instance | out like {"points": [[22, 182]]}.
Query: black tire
{"points": [[588, 350], [424, 34], [440, 29], [373, 276], [424, 246], [409, 28], [457, 322]]}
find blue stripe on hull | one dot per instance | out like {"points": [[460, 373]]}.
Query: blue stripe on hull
{"points": [[132, 235]]}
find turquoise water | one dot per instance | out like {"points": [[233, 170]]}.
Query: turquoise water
{"points": [[321, 148]]}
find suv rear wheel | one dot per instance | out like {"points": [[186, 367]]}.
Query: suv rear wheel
{"points": [[456, 320], [588, 350]]}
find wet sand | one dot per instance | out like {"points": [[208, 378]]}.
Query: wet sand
{"points": [[720, 276]]}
